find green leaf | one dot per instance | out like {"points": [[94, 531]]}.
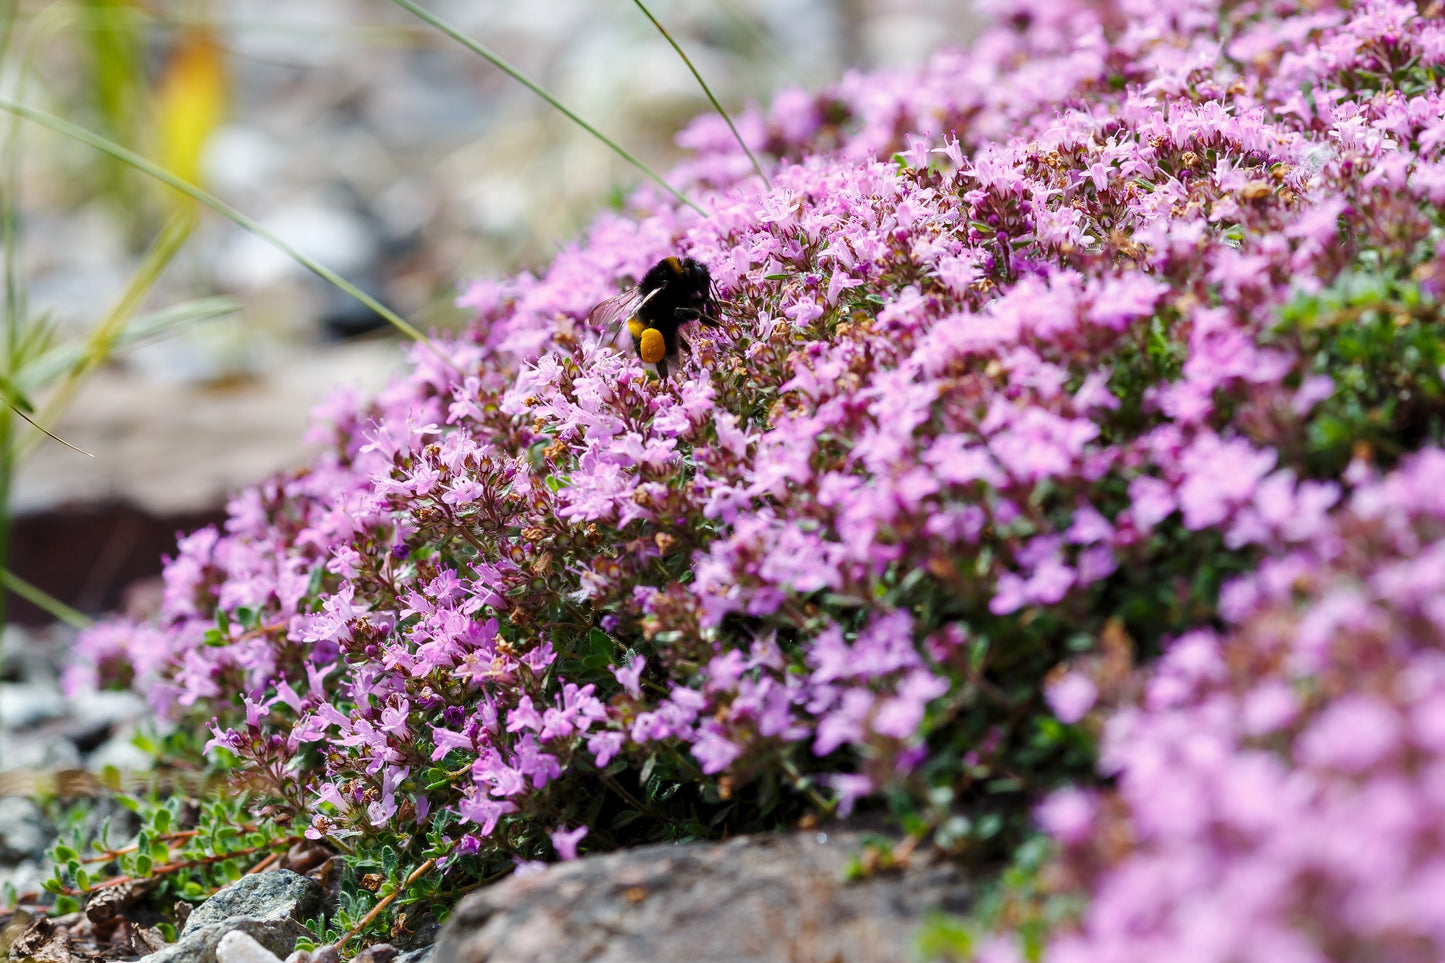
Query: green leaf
{"points": [[944, 936], [161, 821], [318, 576], [66, 904], [143, 865]]}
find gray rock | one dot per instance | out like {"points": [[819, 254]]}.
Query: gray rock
{"points": [[277, 937], [424, 954], [107, 708], [26, 877], [751, 900], [269, 908], [24, 831], [37, 751], [121, 752], [265, 897]]}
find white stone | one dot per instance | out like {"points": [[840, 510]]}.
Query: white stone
{"points": [[24, 704], [119, 751], [237, 947]]}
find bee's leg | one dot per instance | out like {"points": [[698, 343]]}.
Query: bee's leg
{"points": [[700, 316], [682, 343], [662, 369]]}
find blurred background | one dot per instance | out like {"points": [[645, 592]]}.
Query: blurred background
{"points": [[182, 351]]}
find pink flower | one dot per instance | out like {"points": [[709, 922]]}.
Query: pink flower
{"points": [[1067, 815], [627, 676], [1355, 733], [1071, 696], [565, 841]]}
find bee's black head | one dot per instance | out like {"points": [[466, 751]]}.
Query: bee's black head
{"points": [[696, 273]]}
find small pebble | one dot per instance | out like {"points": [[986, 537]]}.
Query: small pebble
{"points": [[325, 954], [377, 953], [237, 947], [300, 956]]}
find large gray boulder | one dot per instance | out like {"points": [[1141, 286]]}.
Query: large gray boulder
{"points": [[750, 900]]}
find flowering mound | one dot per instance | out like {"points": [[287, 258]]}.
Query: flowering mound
{"points": [[1281, 785], [1024, 356]]}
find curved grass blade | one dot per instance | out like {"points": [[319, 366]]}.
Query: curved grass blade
{"points": [[537, 89], [705, 89], [19, 409], [67, 129], [41, 599], [62, 358], [97, 347]]}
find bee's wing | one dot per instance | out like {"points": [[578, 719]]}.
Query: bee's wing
{"points": [[610, 314]]}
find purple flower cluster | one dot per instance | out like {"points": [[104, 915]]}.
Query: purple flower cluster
{"points": [[1281, 783], [999, 347]]}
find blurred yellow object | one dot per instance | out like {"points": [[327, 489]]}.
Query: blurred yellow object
{"points": [[190, 102]]}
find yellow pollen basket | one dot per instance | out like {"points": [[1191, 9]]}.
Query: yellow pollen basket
{"points": [[635, 328], [652, 347]]}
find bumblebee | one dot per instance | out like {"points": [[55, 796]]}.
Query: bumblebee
{"points": [[674, 292]]}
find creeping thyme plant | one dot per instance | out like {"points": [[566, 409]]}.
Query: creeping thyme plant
{"points": [[1118, 335]]}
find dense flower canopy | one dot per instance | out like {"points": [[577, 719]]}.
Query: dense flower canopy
{"points": [[1111, 336]]}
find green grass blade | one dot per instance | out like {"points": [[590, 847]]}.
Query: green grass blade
{"points": [[96, 348], [65, 357], [44, 600], [146, 166], [705, 89], [537, 89], [19, 410]]}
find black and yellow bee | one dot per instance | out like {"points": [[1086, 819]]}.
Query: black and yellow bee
{"points": [[674, 292]]}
